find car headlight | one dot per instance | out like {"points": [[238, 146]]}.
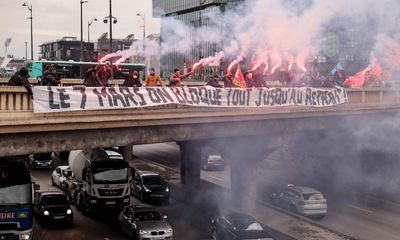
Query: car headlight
{"points": [[26, 236], [46, 213], [169, 230], [167, 189], [147, 190], [93, 201], [126, 200], [143, 232], [69, 211]]}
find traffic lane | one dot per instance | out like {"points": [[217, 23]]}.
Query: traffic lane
{"points": [[344, 214], [165, 153], [186, 222], [84, 227]]}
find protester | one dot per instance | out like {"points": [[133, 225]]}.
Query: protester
{"points": [[50, 76], [153, 80], [103, 74], [90, 79], [20, 78], [248, 77], [176, 78], [131, 80], [258, 80], [214, 82], [228, 81]]}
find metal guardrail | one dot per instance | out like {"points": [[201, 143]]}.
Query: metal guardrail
{"points": [[17, 99]]}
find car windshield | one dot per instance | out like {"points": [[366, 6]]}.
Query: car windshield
{"points": [[247, 224], [42, 156], [107, 175], [153, 180], [147, 216], [313, 196], [57, 199], [17, 194]]}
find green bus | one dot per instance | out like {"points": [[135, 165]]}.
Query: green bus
{"points": [[72, 70]]}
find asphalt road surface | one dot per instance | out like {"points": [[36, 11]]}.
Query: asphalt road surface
{"points": [[356, 216]]}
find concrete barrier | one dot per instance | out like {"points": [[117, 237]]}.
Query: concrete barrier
{"points": [[14, 98]]}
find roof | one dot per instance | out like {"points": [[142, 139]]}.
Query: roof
{"points": [[63, 167], [303, 189], [142, 208], [148, 173], [47, 193]]}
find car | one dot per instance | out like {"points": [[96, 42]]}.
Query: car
{"points": [[148, 185], [305, 201], [59, 175], [238, 226], [41, 161], [213, 162], [141, 222], [52, 207]]}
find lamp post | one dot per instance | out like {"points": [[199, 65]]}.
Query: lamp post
{"points": [[88, 28], [26, 50], [113, 20], [143, 16], [25, 4], [201, 3], [82, 2]]}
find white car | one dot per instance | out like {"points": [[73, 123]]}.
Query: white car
{"points": [[59, 175]]}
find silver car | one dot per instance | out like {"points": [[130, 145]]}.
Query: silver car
{"points": [[141, 222], [302, 200]]}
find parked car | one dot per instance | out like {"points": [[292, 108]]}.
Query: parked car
{"points": [[41, 160], [213, 162], [59, 175], [142, 223], [148, 185], [302, 200], [237, 226], [52, 207]]}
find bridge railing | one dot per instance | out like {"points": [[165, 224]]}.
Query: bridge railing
{"points": [[17, 99]]}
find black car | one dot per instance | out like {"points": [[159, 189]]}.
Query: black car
{"points": [[141, 222], [238, 226], [148, 185], [41, 161], [52, 207]]}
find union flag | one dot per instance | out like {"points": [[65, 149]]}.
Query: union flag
{"points": [[239, 79]]}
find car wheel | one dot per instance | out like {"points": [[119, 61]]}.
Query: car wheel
{"points": [[214, 235]]}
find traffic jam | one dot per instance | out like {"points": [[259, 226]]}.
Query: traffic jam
{"points": [[98, 181]]}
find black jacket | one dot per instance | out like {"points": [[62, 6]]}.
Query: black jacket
{"points": [[19, 80], [130, 81]]}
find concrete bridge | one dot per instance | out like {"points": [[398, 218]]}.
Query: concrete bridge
{"points": [[24, 132]]}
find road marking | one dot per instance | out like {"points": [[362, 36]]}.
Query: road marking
{"points": [[361, 209]]}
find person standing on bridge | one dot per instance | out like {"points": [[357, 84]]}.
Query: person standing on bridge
{"points": [[176, 78], [131, 80], [153, 80], [20, 78], [214, 82], [103, 74]]}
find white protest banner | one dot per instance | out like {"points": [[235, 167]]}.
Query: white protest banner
{"points": [[80, 98]]}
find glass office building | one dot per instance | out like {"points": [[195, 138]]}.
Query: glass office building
{"points": [[192, 13]]}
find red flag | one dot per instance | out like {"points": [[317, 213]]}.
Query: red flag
{"points": [[239, 79]]}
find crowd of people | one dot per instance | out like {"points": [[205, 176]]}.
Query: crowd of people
{"points": [[100, 75]]}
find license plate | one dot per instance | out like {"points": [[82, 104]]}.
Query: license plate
{"points": [[58, 217], [110, 203]]}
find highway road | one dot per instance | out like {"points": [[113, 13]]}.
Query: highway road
{"points": [[357, 216]]}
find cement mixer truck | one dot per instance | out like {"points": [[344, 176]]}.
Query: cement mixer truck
{"points": [[100, 179]]}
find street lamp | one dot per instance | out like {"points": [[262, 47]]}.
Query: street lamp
{"points": [[113, 20], [82, 2], [144, 23], [25, 4], [88, 28], [201, 51]]}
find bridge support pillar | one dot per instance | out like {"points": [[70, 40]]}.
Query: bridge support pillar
{"points": [[190, 153], [127, 152]]}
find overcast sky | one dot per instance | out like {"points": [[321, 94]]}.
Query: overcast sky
{"points": [[53, 19]]}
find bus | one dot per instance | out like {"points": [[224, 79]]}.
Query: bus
{"points": [[72, 70], [16, 200]]}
